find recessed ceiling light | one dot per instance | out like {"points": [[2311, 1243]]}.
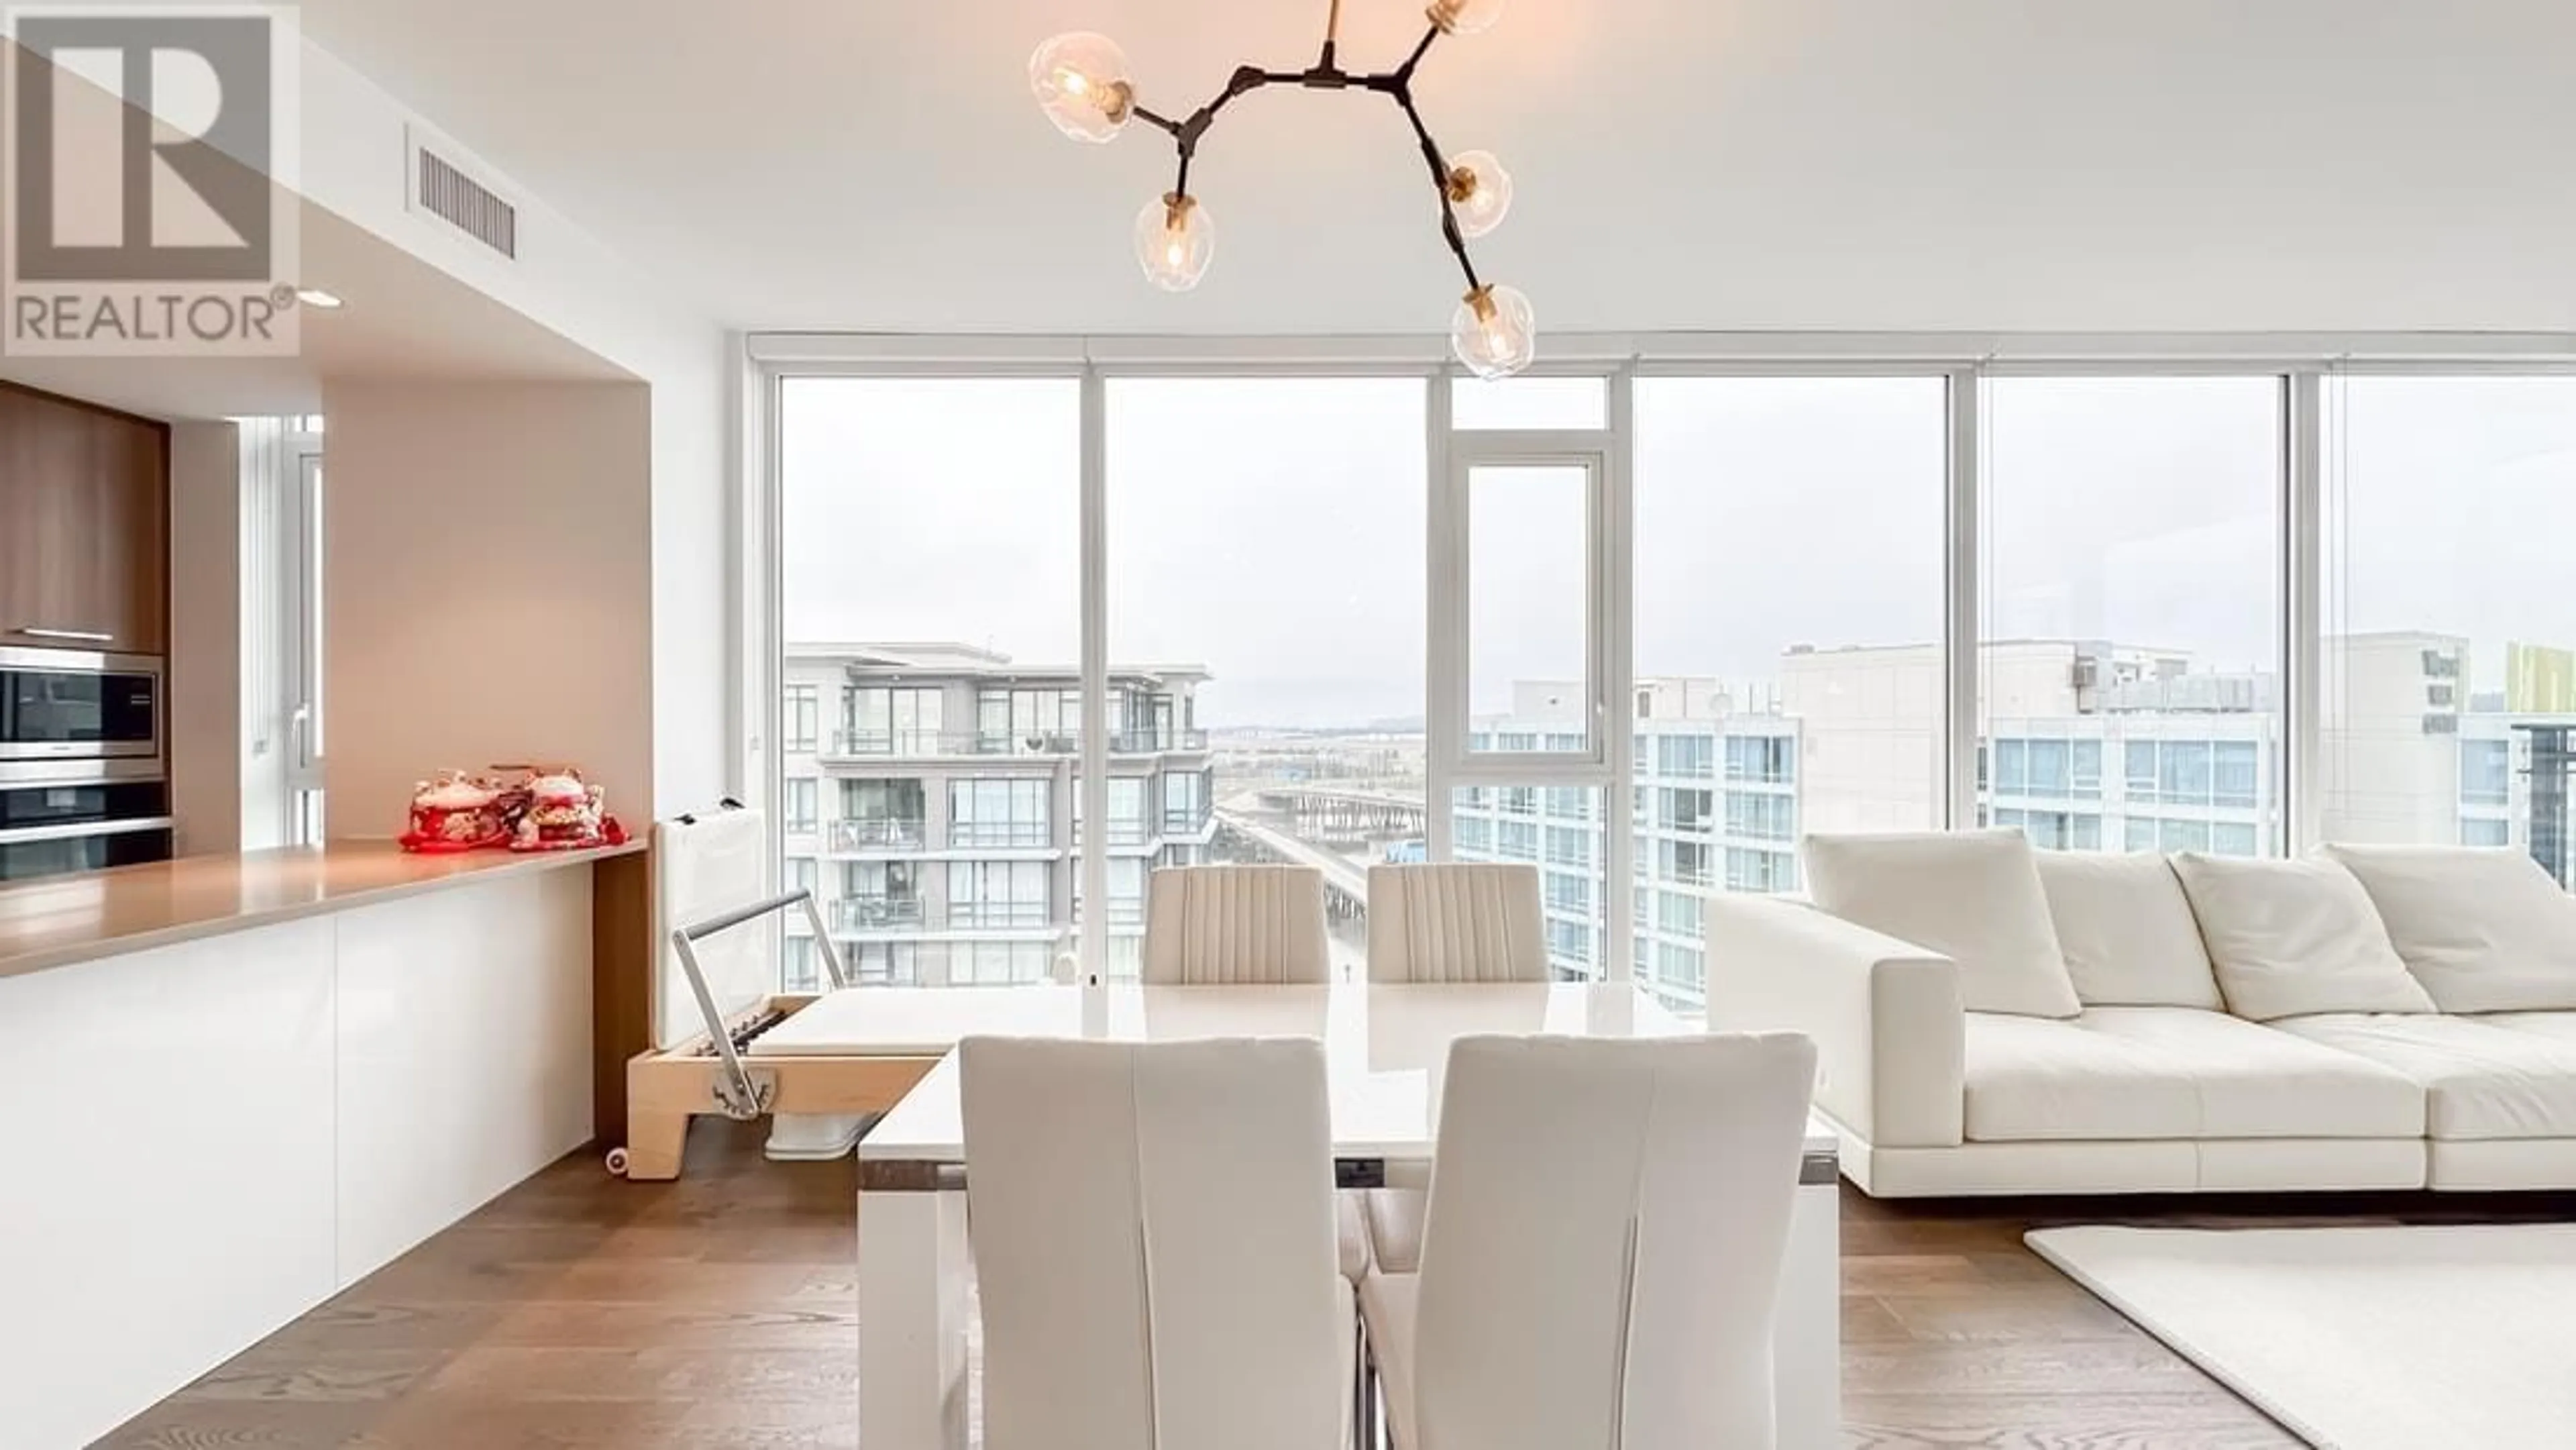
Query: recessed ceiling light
{"points": [[316, 297]]}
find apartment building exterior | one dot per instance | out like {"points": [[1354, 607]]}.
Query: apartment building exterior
{"points": [[2085, 745], [928, 797]]}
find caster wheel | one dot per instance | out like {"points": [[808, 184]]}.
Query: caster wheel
{"points": [[617, 1162]]}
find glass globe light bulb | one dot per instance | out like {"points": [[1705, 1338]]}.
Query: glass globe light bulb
{"points": [[1480, 191], [1175, 238], [1464, 17], [1081, 83], [1494, 332]]}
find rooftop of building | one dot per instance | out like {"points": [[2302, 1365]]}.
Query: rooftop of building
{"points": [[950, 660]]}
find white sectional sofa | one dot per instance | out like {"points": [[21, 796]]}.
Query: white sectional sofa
{"points": [[1994, 1020]]}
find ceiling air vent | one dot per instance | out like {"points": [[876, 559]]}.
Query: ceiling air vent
{"points": [[442, 188]]}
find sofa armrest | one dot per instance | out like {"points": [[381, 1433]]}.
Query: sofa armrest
{"points": [[1889, 1032]]}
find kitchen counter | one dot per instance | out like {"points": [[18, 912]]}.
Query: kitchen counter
{"points": [[61, 921], [254, 1080]]}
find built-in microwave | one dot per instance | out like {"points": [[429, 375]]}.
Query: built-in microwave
{"points": [[59, 704], [81, 816]]}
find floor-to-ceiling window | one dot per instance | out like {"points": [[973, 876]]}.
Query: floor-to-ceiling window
{"points": [[1790, 549], [1265, 594], [928, 566], [1641, 629], [2448, 651], [2130, 671]]}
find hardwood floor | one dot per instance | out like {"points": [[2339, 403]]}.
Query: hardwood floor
{"points": [[579, 1311]]}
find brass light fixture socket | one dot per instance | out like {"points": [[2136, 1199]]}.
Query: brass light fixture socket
{"points": [[1443, 14], [1481, 301], [1176, 210], [1117, 100], [1462, 185]]}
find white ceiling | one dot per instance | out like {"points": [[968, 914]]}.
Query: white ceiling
{"points": [[405, 320], [1881, 164]]}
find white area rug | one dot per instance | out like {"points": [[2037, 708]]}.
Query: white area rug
{"points": [[2399, 1338]]}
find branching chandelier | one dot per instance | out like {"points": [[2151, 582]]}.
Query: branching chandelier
{"points": [[1081, 80]]}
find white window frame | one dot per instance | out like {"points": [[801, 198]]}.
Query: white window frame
{"points": [[1965, 360]]}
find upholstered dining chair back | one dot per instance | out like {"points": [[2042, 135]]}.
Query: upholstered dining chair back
{"points": [[1459, 923], [1603, 1244], [1153, 1232], [1235, 926]]}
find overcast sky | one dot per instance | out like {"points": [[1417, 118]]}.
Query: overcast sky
{"points": [[1273, 529]]}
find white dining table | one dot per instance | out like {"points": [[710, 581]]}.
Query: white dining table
{"points": [[1385, 1047]]}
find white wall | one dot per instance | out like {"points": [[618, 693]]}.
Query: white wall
{"points": [[204, 705], [489, 559], [353, 161]]}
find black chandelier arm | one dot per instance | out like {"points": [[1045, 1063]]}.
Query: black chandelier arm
{"points": [[1396, 85]]}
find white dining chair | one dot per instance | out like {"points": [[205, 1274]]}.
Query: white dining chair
{"points": [[1153, 1234], [1471, 922], [1476, 922], [1235, 926], [1603, 1249]]}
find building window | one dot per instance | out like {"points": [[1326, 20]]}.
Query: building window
{"points": [[2477, 831], [1678, 913], [1475, 835], [2184, 776], [2227, 838], [1686, 757], [999, 813], [1568, 846], [891, 720], [2087, 769], [1685, 862], [798, 809], [2236, 777], [1684, 810], [799, 717], [2141, 758], [1761, 817], [1519, 801], [2012, 768], [1566, 803], [2051, 772], [2486, 772], [998, 895], [1569, 892], [1517, 841], [1570, 944]]}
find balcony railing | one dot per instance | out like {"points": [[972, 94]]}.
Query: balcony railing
{"points": [[878, 835], [911, 914], [1187, 822], [998, 915], [1126, 914], [879, 913], [1022, 835], [1129, 833], [924, 744]]}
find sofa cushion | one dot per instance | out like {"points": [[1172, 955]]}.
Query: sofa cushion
{"points": [[2481, 1080], [2126, 931], [2561, 1025], [2483, 928], [1972, 896], [2172, 1072], [2294, 938]]}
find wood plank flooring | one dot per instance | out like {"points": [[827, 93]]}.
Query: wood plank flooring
{"points": [[581, 1313]]}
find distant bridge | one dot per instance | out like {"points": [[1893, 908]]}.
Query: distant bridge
{"points": [[1342, 815], [1345, 883]]}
